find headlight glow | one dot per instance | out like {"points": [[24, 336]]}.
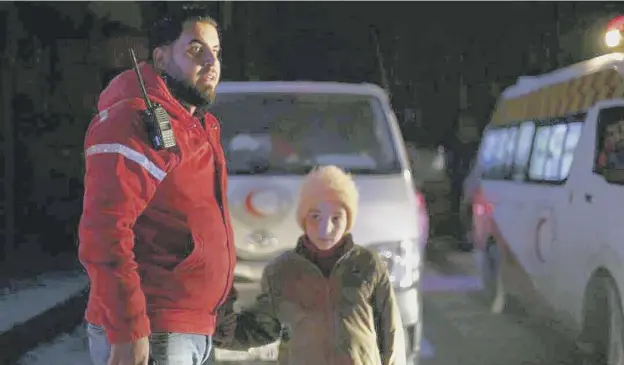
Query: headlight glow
{"points": [[402, 260]]}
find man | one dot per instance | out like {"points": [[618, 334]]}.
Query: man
{"points": [[155, 234]]}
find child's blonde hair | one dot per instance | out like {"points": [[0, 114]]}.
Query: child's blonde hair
{"points": [[328, 183]]}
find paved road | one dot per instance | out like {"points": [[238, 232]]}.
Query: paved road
{"points": [[458, 329], [464, 332]]}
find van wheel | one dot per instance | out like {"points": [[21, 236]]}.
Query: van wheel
{"points": [[491, 274], [615, 355], [604, 328]]}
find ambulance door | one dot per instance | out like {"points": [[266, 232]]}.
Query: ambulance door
{"points": [[589, 216], [553, 148]]}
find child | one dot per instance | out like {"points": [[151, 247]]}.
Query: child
{"points": [[333, 297]]}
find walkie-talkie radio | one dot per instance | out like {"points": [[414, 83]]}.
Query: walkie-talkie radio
{"points": [[155, 117]]}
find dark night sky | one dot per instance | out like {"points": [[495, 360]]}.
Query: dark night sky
{"points": [[426, 47]]}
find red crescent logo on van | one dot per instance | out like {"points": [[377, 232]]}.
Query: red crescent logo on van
{"points": [[260, 206], [538, 242], [250, 207]]}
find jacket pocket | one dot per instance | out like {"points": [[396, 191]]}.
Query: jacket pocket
{"points": [[196, 249]]}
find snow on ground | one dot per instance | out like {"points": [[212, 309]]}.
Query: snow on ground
{"points": [[37, 296], [454, 283], [68, 349], [265, 353], [72, 349], [14, 285]]}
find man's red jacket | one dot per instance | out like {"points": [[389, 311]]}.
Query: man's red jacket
{"points": [[155, 232]]}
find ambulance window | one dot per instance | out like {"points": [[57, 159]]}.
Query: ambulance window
{"points": [[489, 147], [555, 152], [500, 153], [523, 150], [572, 138], [509, 148], [609, 158], [497, 152], [540, 153], [553, 149]]}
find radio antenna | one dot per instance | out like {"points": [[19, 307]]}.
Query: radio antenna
{"points": [[135, 64]]}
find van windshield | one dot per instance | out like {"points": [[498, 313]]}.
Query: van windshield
{"points": [[286, 134]]}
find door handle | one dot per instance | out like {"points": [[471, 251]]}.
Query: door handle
{"points": [[588, 197]]}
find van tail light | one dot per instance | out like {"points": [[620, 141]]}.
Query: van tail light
{"points": [[482, 209], [423, 217], [420, 200], [480, 205]]}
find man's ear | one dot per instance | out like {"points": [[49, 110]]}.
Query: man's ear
{"points": [[159, 55]]}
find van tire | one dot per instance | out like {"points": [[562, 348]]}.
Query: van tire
{"points": [[615, 354], [602, 340], [490, 263]]}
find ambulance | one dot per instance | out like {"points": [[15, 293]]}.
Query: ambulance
{"points": [[548, 215], [274, 133]]}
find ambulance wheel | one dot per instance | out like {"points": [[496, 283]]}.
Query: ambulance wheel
{"points": [[604, 324], [490, 262], [615, 355]]}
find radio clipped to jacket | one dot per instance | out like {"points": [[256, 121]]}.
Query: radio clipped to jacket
{"points": [[155, 117]]}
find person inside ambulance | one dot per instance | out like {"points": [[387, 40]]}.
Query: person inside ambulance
{"points": [[155, 232]]}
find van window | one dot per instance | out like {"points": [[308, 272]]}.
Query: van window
{"points": [[509, 149], [278, 133], [523, 150], [553, 149], [540, 153], [497, 151], [572, 138], [609, 156], [488, 148]]}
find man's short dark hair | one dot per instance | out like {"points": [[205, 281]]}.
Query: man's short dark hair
{"points": [[168, 29]]}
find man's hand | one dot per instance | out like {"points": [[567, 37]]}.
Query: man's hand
{"points": [[131, 353]]}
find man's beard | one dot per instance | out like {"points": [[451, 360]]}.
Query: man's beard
{"points": [[187, 93]]}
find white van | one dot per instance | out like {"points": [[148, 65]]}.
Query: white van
{"points": [[273, 133], [549, 213]]}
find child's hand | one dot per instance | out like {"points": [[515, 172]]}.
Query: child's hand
{"points": [[258, 327], [251, 327]]}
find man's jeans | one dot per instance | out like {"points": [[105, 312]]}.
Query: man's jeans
{"points": [[165, 348]]}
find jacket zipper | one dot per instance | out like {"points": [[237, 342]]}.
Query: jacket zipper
{"points": [[328, 316], [328, 292], [219, 192], [332, 303], [218, 196], [219, 199]]}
